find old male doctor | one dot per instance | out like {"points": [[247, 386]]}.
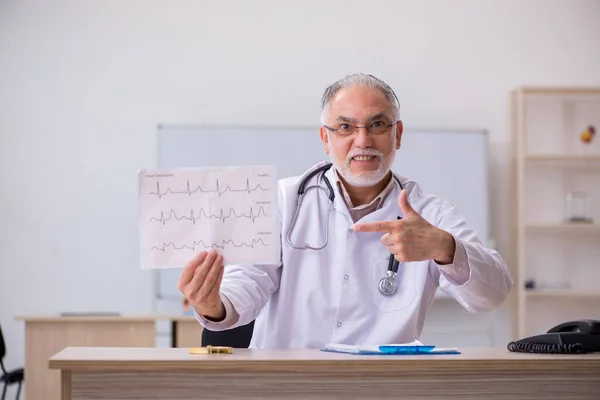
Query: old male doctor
{"points": [[315, 297]]}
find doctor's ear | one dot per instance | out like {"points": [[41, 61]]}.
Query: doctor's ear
{"points": [[324, 139], [399, 130]]}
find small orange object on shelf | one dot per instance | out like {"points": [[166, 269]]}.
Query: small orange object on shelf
{"points": [[588, 134]]}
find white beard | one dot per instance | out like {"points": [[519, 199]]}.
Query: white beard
{"points": [[364, 179]]}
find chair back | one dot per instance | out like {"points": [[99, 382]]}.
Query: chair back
{"points": [[237, 337], [2, 345]]}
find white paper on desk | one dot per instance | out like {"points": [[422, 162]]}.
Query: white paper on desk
{"points": [[188, 210], [358, 349]]}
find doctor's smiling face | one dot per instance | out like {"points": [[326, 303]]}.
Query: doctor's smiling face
{"points": [[361, 132]]}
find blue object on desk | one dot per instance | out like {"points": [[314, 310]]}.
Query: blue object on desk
{"points": [[417, 350], [405, 349], [390, 349]]}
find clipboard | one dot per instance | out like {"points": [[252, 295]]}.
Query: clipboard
{"points": [[390, 349]]}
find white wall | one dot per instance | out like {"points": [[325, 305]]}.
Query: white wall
{"points": [[84, 83]]}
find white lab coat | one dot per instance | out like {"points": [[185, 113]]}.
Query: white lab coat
{"points": [[331, 295]]}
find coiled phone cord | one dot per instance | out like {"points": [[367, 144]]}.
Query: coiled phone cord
{"points": [[523, 347]]}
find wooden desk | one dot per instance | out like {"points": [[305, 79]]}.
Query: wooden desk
{"points": [[155, 373], [187, 332], [47, 335]]}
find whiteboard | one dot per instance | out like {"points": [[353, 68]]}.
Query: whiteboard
{"points": [[452, 164]]}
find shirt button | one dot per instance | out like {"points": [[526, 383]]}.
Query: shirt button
{"points": [[346, 277], [339, 324]]}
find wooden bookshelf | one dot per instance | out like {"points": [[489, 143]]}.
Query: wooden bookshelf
{"points": [[549, 159]]}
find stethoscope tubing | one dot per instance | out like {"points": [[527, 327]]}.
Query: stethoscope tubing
{"points": [[388, 284]]}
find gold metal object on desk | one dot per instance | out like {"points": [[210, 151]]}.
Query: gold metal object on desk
{"points": [[211, 350]]}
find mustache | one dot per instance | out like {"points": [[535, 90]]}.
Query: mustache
{"points": [[363, 152]]}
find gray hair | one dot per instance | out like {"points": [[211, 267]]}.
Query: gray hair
{"points": [[362, 80]]}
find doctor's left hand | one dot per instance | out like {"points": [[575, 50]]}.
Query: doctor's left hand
{"points": [[200, 283], [412, 238]]}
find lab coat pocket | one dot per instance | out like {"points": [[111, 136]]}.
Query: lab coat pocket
{"points": [[406, 292]]}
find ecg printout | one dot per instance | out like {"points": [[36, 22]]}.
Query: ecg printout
{"points": [[189, 210]]}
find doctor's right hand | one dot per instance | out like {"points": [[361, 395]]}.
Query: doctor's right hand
{"points": [[200, 283]]}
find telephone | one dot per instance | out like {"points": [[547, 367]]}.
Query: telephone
{"points": [[575, 337]]}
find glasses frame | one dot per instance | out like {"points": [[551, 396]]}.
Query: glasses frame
{"points": [[357, 127]]}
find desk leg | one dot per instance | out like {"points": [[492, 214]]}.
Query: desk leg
{"points": [[174, 333], [65, 377], [187, 334]]}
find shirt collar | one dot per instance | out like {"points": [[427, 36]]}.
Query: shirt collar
{"points": [[377, 202]]}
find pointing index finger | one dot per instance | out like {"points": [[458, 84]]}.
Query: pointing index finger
{"points": [[379, 226]]}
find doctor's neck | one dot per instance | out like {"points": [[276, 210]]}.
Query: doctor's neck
{"points": [[360, 195]]}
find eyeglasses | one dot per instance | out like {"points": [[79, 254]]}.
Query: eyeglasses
{"points": [[376, 128]]}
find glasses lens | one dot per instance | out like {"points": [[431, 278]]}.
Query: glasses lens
{"points": [[379, 127], [345, 129]]}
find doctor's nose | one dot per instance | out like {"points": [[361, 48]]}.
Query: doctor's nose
{"points": [[363, 139]]}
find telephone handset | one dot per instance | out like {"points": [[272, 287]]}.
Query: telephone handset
{"points": [[581, 336]]}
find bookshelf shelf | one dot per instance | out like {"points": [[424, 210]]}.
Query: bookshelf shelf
{"points": [[561, 293], [563, 158], [564, 228], [554, 161]]}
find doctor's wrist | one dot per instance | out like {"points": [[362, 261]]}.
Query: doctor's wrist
{"points": [[446, 248], [214, 314]]}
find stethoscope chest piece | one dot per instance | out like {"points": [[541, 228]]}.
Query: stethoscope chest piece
{"points": [[388, 284]]}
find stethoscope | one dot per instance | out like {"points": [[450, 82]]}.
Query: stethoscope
{"points": [[388, 284]]}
